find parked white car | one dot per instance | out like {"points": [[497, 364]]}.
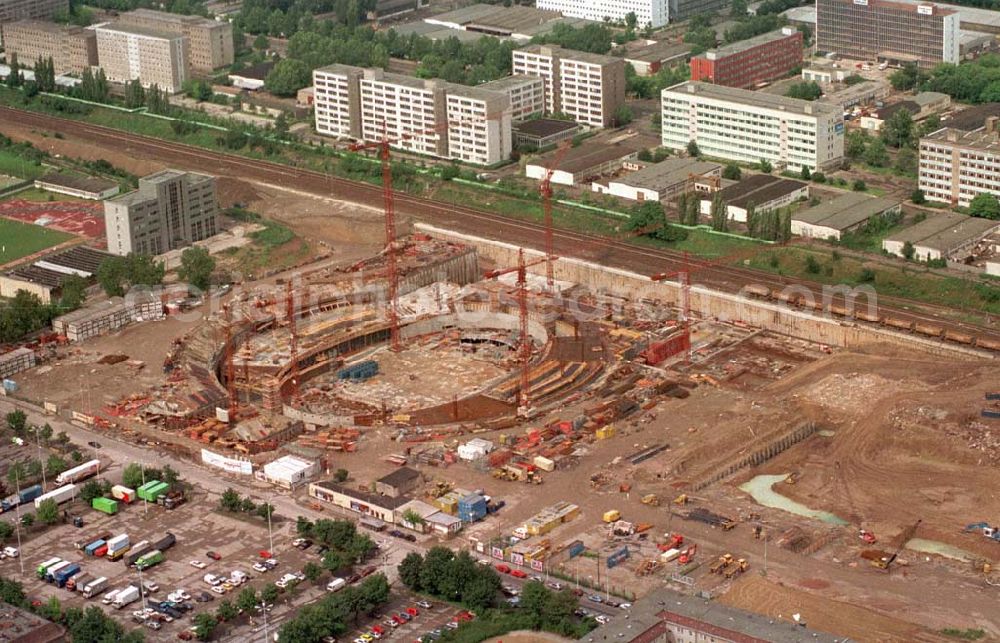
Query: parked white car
{"points": [[11, 552], [218, 589], [198, 564]]}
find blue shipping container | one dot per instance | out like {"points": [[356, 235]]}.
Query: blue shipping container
{"points": [[29, 494], [66, 573], [94, 546]]}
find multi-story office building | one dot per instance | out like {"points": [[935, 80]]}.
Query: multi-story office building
{"points": [[526, 93], [896, 32], [586, 87], [684, 9], [171, 209], [748, 63], [430, 117], [209, 42], [956, 165], [749, 126], [11, 10], [154, 57], [655, 12], [72, 49]]}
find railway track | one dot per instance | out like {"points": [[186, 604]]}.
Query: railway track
{"points": [[568, 243]]}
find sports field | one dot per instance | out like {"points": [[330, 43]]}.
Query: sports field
{"points": [[21, 239]]}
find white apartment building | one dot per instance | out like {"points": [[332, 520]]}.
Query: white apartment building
{"points": [[955, 165], [430, 117], [655, 12], [126, 53], [587, 87], [748, 126], [526, 93]]}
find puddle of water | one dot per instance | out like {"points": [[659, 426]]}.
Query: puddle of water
{"points": [[939, 548], [760, 489]]}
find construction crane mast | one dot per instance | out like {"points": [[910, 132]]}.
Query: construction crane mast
{"points": [[546, 191], [524, 348], [684, 279], [293, 339], [229, 369]]}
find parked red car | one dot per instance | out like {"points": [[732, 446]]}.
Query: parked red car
{"points": [[503, 569], [412, 611], [517, 573], [213, 555]]}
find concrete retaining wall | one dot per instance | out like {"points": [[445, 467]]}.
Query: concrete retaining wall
{"points": [[709, 304]]}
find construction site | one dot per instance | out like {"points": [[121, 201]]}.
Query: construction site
{"points": [[642, 429]]}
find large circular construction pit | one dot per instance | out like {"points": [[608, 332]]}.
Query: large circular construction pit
{"points": [[430, 371]]}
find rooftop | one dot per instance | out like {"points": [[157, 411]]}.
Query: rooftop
{"points": [[973, 117], [750, 43], [113, 305], [435, 31], [495, 17], [652, 613], [659, 51], [385, 502], [54, 269], [502, 84], [886, 112], [399, 477], [569, 54], [174, 18], [959, 234], [427, 84], [139, 31], [585, 157], [845, 211], [758, 189], [979, 139], [42, 25], [78, 182], [256, 72], [664, 174], [544, 127], [21, 626], [752, 99]]}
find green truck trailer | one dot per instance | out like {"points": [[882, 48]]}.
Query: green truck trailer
{"points": [[152, 490], [146, 561], [106, 505]]}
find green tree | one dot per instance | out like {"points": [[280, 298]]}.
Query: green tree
{"points": [[204, 626], [876, 155], [807, 90], [287, 77], [905, 78], [28, 519], [260, 43], [226, 611], [169, 475], [855, 144], [907, 162], [917, 196], [265, 510], [303, 526], [247, 505], [247, 600], [646, 215], [269, 593], [908, 250], [55, 465], [623, 115], [437, 564], [534, 601], [48, 512], [17, 421], [804, 173], [73, 292], [230, 500], [132, 476], [413, 517], [341, 475], [410, 570], [719, 213], [6, 530], [645, 155], [90, 490], [692, 149], [732, 172], [335, 560], [859, 185], [135, 94], [898, 130], [985, 206], [738, 9], [196, 267], [14, 78], [312, 571], [765, 166]]}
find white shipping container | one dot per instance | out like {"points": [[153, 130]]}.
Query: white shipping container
{"points": [[60, 495], [118, 542], [544, 463], [80, 472], [669, 555]]}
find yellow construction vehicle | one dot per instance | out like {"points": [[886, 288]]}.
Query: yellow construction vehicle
{"points": [[741, 566], [612, 516], [651, 499], [681, 499], [792, 478], [721, 564]]}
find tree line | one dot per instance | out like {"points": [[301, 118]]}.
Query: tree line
{"points": [[971, 81]]}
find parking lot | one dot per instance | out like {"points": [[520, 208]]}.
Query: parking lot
{"points": [[413, 619]]}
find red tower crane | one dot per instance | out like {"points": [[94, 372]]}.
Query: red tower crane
{"points": [[293, 339], [524, 348], [546, 191], [229, 370], [388, 203], [684, 277]]}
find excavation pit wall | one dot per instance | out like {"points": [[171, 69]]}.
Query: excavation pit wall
{"points": [[709, 304]]}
